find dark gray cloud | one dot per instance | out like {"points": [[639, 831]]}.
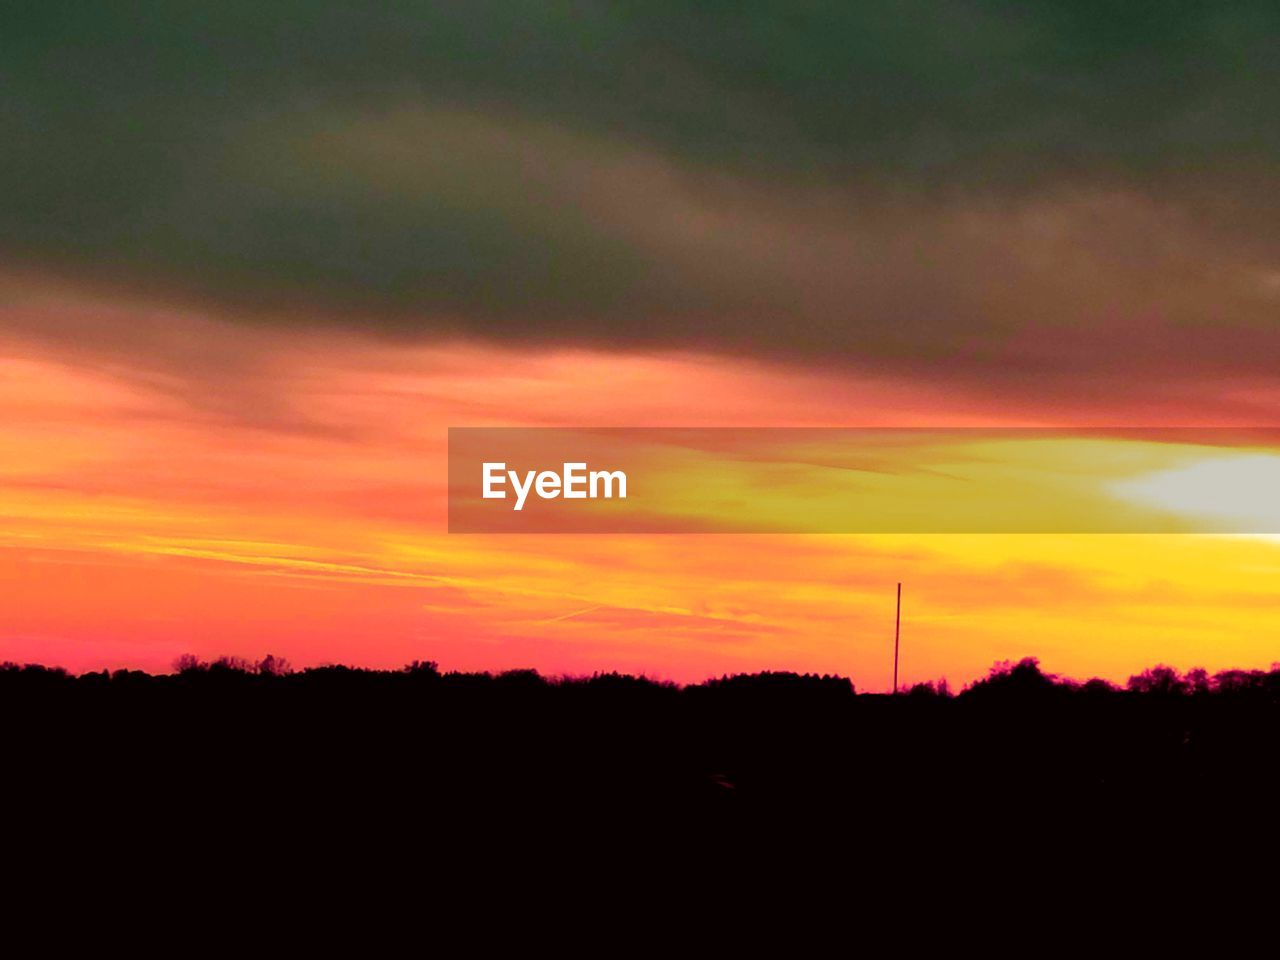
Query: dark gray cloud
{"points": [[896, 181]]}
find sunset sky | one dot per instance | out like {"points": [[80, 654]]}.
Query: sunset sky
{"points": [[255, 260]]}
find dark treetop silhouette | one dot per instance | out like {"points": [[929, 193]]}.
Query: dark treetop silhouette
{"points": [[232, 736], [338, 774]]}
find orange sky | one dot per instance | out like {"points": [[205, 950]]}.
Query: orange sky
{"points": [[229, 489], [257, 263]]}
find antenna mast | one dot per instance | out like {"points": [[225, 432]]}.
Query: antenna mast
{"points": [[897, 630]]}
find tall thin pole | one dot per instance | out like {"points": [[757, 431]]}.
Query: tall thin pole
{"points": [[897, 630]]}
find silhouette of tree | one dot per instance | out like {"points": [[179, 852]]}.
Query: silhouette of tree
{"points": [[273, 666], [1160, 681], [415, 745], [188, 663], [1022, 680]]}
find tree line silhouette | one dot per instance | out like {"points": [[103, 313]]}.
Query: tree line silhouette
{"points": [[237, 731], [381, 770]]}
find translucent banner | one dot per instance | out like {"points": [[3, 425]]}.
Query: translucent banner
{"points": [[864, 480]]}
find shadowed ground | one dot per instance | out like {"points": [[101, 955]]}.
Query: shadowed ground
{"points": [[337, 778]]}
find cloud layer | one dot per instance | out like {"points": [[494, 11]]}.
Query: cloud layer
{"points": [[1000, 190]]}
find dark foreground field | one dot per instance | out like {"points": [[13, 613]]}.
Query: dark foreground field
{"points": [[253, 777], [416, 749]]}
